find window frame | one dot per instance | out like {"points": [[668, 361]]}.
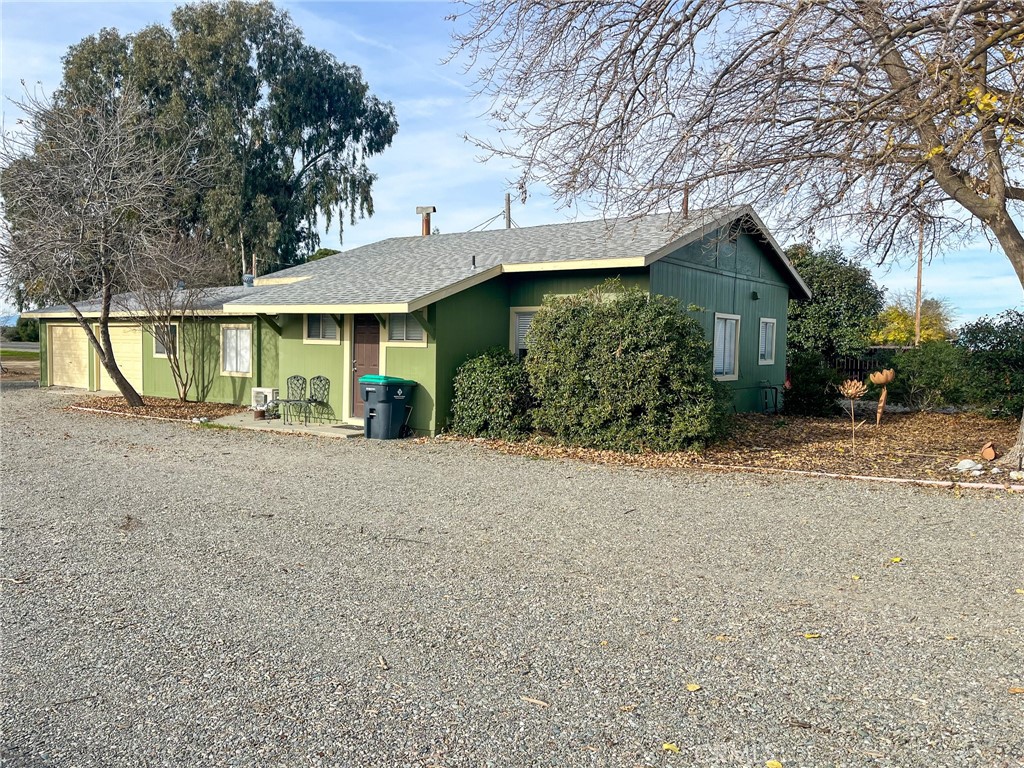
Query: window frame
{"points": [[236, 327], [404, 342], [514, 312], [177, 336], [775, 327], [307, 339], [735, 375]]}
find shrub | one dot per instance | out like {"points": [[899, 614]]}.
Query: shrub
{"points": [[492, 397], [26, 329], [619, 369], [929, 376], [812, 385], [994, 375]]}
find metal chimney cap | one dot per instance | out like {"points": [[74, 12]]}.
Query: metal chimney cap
{"points": [[421, 209]]}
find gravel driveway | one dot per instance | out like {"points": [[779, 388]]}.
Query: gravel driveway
{"points": [[181, 596]]}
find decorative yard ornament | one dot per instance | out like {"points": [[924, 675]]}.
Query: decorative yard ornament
{"points": [[882, 379], [853, 390]]}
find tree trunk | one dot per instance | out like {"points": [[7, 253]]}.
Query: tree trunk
{"points": [[127, 391], [1014, 457]]}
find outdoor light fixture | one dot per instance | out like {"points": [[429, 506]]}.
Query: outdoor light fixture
{"points": [[754, 296]]}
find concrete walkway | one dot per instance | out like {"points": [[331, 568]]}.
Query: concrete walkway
{"points": [[245, 420]]}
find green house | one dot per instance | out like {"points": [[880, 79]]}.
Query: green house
{"points": [[418, 307]]}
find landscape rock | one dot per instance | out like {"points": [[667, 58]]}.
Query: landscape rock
{"points": [[966, 465]]}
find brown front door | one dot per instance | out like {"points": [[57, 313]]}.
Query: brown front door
{"points": [[365, 356]]}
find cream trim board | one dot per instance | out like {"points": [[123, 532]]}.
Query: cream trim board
{"points": [[316, 309], [734, 376], [220, 332], [624, 262], [305, 330], [279, 280], [775, 327], [512, 312], [177, 339], [451, 290]]}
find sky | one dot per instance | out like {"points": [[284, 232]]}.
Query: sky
{"points": [[400, 47]]}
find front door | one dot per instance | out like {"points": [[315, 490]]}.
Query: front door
{"points": [[365, 356]]}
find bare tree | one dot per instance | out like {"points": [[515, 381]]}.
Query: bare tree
{"points": [[862, 115], [167, 301], [87, 192]]}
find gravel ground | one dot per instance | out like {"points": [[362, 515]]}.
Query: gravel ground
{"points": [[184, 596]]}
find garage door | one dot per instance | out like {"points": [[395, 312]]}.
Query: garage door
{"points": [[69, 356], [126, 341]]}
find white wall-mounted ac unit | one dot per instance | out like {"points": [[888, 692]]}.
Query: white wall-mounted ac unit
{"points": [[261, 396]]}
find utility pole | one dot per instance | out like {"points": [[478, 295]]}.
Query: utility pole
{"points": [[920, 265]]}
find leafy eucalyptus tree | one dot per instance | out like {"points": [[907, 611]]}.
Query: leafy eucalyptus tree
{"points": [[288, 127]]}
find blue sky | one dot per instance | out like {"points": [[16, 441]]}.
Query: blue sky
{"points": [[400, 47]]}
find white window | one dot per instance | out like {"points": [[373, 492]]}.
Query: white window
{"points": [[727, 342], [320, 328], [521, 326], [236, 350], [169, 336], [766, 342], [404, 328]]}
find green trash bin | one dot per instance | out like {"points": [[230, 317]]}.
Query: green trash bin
{"points": [[388, 405]]}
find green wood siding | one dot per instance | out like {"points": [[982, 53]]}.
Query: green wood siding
{"points": [[296, 358], [529, 290], [199, 345], [717, 275], [467, 324], [419, 364], [44, 379]]}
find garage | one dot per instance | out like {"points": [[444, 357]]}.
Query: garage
{"points": [[126, 341], [69, 356]]}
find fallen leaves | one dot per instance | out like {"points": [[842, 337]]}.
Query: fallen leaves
{"points": [[811, 635], [919, 446], [668, 746], [896, 560], [693, 687], [162, 407], [1015, 690], [773, 764]]}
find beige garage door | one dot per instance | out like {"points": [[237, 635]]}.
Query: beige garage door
{"points": [[126, 341], [69, 356]]}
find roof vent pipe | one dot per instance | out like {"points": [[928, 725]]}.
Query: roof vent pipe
{"points": [[474, 261], [247, 281], [425, 211]]}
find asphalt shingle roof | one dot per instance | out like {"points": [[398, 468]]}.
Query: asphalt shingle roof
{"points": [[402, 269]]}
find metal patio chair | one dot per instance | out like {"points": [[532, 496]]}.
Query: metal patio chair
{"points": [[319, 394], [296, 400]]}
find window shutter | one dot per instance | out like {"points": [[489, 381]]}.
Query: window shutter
{"points": [[523, 322]]}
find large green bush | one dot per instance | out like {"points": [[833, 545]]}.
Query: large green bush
{"points": [[620, 369], [929, 376], [811, 389], [994, 375], [26, 329], [492, 397]]}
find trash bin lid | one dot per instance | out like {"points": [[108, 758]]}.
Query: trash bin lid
{"points": [[374, 378]]}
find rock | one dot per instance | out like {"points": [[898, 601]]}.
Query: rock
{"points": [[977, 473], [996, 471], [966, 465], [1016, 475], [196, 421]]}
